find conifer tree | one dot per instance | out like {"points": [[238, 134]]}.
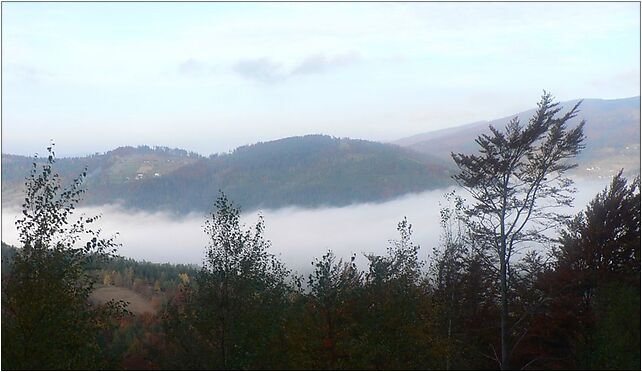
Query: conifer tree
{"points": [[597, 279]]}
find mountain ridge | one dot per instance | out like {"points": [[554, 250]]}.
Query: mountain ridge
{"points": [[612, 136], [307, 171], [316, 170], [416, 138]]}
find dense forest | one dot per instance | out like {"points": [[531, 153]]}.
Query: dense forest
{"points": [[486, 299], [307, 171]]}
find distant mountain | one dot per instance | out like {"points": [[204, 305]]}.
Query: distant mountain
{"points": [[612, 130], [309, 171]]}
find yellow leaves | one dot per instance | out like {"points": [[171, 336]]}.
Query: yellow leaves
{"points": [[107, 280], [184, 278]]}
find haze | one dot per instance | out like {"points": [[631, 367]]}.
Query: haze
{"points": [[297, 235], [209, 77]]}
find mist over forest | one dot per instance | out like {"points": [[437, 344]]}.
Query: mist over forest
{"points": [[326, 278], [320, 186], [298, 235], [346, 253]]}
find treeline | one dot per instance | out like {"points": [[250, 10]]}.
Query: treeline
{"points": [[579, 310], [146, 278], [245, 310]]}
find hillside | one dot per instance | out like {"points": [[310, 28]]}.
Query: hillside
{"points": [[309, 171], [136, 303], [145, 286], [612, 136]]}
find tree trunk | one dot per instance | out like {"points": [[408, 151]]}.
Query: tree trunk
{"points": [[332, 350], [504, 304], [450, 326]]}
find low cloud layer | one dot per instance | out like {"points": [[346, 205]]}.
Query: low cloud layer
{"points": [[297, 235]]}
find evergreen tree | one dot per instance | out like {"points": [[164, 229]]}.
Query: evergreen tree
{"points": [[596, 282]]}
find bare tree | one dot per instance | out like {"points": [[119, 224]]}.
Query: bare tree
{"points": [[517, 183]]}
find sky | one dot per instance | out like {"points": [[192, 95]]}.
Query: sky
{"points": [[210, 77]]}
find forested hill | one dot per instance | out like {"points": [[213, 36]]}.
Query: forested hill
{"points": [[310, 171]]}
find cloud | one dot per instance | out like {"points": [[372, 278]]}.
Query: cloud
{"points": [[194, 68], [320, 63], [262, 70], [26, 73], [265, 70]]}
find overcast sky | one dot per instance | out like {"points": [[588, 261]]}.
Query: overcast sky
{"points": [[209, 77]]}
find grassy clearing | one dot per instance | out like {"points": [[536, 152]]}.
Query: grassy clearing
{"points": [[137, 303]]}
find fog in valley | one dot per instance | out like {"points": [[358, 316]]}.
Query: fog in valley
{"points": [[297, 235]]}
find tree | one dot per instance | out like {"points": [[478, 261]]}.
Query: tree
{"points": [[231, 315], [463, 290], [517, 181], [402, 261], [596, 281], [604, 241], [333, 285], [396, 311], [47, 320]]}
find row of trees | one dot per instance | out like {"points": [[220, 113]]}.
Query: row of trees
{"points": [[485, 300], [578, 310], [146, 278]]}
